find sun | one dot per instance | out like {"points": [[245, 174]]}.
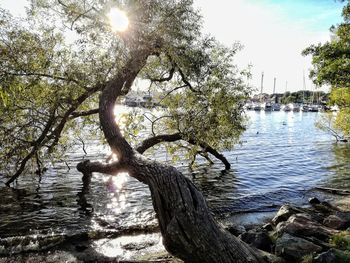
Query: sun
{"points": [[118, 19]]}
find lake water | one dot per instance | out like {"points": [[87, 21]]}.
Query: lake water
{"points": [[282, 156]]}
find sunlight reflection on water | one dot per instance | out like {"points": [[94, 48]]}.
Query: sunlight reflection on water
{"points": [[282, 156]]}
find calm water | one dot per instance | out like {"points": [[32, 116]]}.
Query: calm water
{"points": [[282, 156]]}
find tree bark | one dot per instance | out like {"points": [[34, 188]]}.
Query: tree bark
{"points": [[150, 142], [186, 224]]}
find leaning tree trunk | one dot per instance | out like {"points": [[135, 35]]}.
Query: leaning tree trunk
{"points": [[187, 226]]}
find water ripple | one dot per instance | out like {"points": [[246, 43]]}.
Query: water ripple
{"points": [[275, 164]]}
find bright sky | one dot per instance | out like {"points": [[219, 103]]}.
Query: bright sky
{"points": [[273, 32]]}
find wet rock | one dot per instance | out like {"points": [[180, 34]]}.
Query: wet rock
{"points": [[270, 258], [234, 229], [257, 238], [324, 244], [325, 208], [334, 222], [325, 257], [80, 248], [345, 216], [332, 256], [294, 248], [268, 227], [138, 246], [314, 200], [303, 225], [284, 213]]}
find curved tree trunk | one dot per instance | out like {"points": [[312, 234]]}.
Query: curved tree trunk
{"points": [[187, 226]]}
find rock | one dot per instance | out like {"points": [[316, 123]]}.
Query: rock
{"points": [[234, 229], [325, 257], [257, 238], [325, 208], [314, 200], [302, 225], [294, 248], [324, 244], [334, 222], [80, 248], [332, 256], [138, 246], [270, 258], [268, 227], [284, 213], [345, 216]]}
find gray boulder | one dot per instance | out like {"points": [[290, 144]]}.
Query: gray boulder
{"points": [[335, 222], [294, 248], [302, 225], [332, 256], [284, 213], [257, 238]]}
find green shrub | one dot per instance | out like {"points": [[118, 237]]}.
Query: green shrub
{"points": [[307, 259], [341, 241]]}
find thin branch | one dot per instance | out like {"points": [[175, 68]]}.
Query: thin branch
{"points": [[79, 16], [78, 114], [184, 80], [55, 134], [45, 75], [83, 143], [168, 78], [37, 145], [171, 91]]}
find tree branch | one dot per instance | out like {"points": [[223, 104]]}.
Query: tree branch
{"points": [[168, 78], [45, 75], [171, 91], [87, 167], [37, 145], [78, 114], [150, 142], [45, 137]]}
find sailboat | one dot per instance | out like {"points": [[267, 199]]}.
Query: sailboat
{"points": [[304, 107]]}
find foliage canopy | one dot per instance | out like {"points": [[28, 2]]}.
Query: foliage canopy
{"points": [[331, 65], [55, 62]]}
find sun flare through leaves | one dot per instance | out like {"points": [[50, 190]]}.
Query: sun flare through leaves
{"points": [[118, 20]]}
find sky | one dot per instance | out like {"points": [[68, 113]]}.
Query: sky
{"points": [[273, 33]]}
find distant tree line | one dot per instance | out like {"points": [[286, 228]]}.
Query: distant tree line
{"points": [[305, 97], [301, 97]]}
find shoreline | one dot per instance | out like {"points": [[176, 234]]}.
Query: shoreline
{"points": [[250, 227]]}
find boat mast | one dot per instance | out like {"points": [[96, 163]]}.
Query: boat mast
{"points": [[274, 86], [304, 86], [286, 85], [262, 86]]}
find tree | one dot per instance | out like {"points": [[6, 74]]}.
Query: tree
{"points": [[303, 96], [331, 65], [200, 77], [52, 90]]}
